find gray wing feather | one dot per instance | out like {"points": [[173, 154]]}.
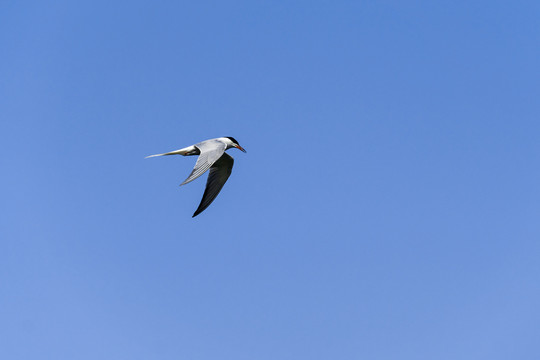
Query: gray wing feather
{"points": [[219, 173], [211, 151]]}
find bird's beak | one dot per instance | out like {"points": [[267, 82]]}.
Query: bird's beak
{"points": [[241, 148]]}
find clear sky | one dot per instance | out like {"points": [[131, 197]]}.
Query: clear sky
{"points": [[388, 206]]}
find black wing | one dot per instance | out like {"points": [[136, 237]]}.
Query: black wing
{"points": [[219, 173]]}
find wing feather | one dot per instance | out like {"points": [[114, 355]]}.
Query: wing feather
{"points": [[211, 151], [219, 173]]}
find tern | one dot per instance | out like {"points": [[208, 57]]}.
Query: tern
{"points": [[212, 156]]}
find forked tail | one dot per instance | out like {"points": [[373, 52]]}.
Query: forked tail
{"points": [[190, 150]]}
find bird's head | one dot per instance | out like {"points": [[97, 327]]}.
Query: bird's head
{"points": [[231, 142]]}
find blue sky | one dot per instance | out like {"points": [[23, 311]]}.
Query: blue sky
{"points": [[387, 207]]}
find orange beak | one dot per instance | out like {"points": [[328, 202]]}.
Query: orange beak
{"points": [[240, 148]]}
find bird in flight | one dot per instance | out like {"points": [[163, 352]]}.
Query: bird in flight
{"points": [[212, 156]]}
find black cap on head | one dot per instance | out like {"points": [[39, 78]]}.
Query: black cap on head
{"points": [[232, 139], [235, 143]]}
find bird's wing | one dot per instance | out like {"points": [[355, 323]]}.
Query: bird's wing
{"points": [[219, 173], [211, 151]]}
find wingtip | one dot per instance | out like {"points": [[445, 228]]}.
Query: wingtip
{"points": [[197, 212]]}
